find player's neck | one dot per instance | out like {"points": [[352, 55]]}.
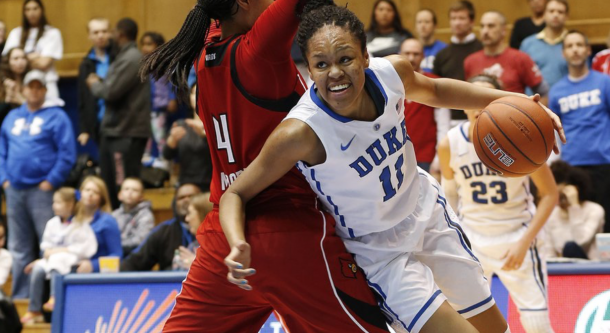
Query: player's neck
{"points": [[492, 50], [231, 28], [577, 72]]}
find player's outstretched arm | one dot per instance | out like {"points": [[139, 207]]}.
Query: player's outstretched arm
{"points": [[292, 141], [454, 94], [549, 196]]}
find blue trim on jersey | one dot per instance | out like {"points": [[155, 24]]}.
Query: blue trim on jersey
{"points": [[536, 276], [318, 185], [384, 305], [455, 226], [321, 105], [464, 134], [423, 309], [341, 218], [373, 77], [476, 306]]}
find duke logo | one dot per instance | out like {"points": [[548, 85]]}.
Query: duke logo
{"points": [[595, 316]]}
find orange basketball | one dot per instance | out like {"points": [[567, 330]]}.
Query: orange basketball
{"points": [[513, 136]]}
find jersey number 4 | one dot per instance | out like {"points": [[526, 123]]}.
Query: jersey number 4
{"points": [[223, 139], [479, 193]]}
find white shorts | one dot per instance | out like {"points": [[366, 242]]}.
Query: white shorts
{"points": [[412, 285], [527, 285]]}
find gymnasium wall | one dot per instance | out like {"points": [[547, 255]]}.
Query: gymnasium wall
{"points": [[166, 16]]}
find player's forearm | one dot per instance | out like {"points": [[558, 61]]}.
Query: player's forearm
{"points": [[543, 211], [233, 218], [454, 94]]}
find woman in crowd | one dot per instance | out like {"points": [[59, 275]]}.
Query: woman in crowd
{"points": [[198, 209], [65, 242], [386, 32], [42, 44], [572, 226], [94, 208], [13, 67]]}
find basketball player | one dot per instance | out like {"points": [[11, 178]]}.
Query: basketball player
{"points": [[500, 219], [348, 137], [247, 83]]}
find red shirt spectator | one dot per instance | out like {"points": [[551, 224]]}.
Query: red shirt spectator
{"points": [[601, 62], [514, 68], [421, 127]]}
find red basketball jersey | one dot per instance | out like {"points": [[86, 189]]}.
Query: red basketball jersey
{"points": [[237, 124]]}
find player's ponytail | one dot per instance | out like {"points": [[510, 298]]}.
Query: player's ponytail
{"points": [[175, 58]]}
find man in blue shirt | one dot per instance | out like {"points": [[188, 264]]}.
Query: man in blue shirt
{"points": [[545, 47], [425, 25], [90, 108], [582, 101], [37, 151]]}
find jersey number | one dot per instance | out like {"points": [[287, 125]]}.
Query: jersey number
{"points": [[480, 190], [222, 136], [386, 179]]}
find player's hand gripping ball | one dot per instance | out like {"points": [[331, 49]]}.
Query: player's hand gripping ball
{"points": [[513, 136]]}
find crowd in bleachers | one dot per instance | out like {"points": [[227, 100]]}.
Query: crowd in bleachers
{"points": [[55, 230]]}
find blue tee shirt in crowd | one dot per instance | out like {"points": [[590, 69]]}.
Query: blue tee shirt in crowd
{"points": [[584, 108], [549, 58], [430, 51], [36, 146], [108, 236], [101, 69]]}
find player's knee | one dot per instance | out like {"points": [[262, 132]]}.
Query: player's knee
{"points": [[536, 322]]}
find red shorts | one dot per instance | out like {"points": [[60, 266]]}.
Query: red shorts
{"points": [[304, 274]]}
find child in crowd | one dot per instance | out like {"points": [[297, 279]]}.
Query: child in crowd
{"points": [[199, 207], [6, 259], [135, 216], [163, 101], [65, 242], [573, 224]]}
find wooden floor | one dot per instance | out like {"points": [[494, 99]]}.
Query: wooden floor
{"points": [[22, 308]]}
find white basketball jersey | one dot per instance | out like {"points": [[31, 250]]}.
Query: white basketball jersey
{"points": [[369, 179], [489, 204]]}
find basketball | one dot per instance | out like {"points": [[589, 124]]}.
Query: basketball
{"points": [[513, 136]]}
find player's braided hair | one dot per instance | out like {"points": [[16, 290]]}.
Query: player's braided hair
{"points": [[175, 58], [315, 17]]}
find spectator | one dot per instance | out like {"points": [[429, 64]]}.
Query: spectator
{"points": [[2, 35], [513, 68], [431, 123], [572, 226], [582, 101], [6, 259], [163, 101], [386, 32], [125, 127], [90, 108], [527, 26], [187, 142], [601, 61], [199, 207], [64, 244], [449, 62], [545, 47], [135, 216], [425, 25], [42, 44], [12, 71], [94, 208], [164, 239], [37, 151]]}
